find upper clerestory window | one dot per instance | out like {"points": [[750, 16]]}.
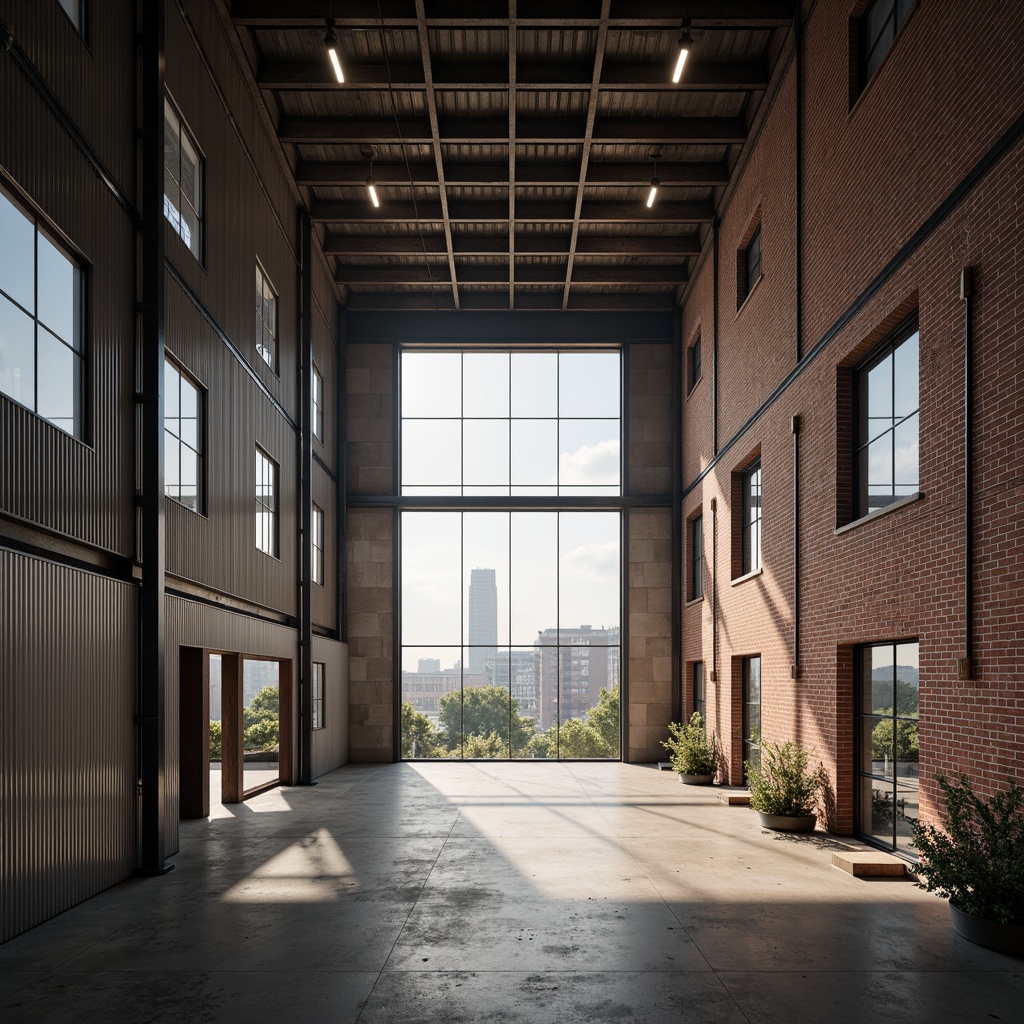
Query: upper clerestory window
{"points": [[75, 10], [183, 182]]}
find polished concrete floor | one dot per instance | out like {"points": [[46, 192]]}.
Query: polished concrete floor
{"points": [[528, 893]]}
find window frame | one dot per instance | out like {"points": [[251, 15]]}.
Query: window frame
{"points": [[264, 285], [316, 393], [318, 685], [82, 25], [271, 509], [699, 687], [200, 453], [745, 277], [861, 439], [185, 132], [694, 367], [751, 747], [696, 544], [751, 560], [866, 49], [40, 329], [317, 542]]}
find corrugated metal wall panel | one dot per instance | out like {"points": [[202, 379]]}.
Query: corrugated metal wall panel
{"points": [[325, 598], [219, 549], [67, 738], [82, 491]]}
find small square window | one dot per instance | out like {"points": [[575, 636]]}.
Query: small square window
{"points": [[748, 267], [75, 10], [266, 319], [694, 361], [317, 390], [266, 503], [875, 31], [183, 181]]}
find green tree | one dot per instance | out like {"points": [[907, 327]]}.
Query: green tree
{"points": [[907, 744], [419, 737], [261, 723], [604, 717], [577, 738], [215, 740], [491, 746], [481, 711]]}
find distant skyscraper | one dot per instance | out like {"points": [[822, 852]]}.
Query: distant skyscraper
{"points": [[483, 618]]}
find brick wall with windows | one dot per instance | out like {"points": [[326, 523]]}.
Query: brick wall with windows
{"points": [[898, 575]]}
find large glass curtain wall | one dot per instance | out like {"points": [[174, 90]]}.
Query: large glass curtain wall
{"points": [[510, 609]]}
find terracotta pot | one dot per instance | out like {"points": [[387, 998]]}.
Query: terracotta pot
{"points": [[787, 823], [1006, 938], [695, 780]]}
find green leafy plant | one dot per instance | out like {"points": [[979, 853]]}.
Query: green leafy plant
{"points": [[215, 740], [782, 783], [977, 859], [691, 750], [261, 728]]}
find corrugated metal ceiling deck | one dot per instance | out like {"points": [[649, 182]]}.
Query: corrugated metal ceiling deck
{"points": [[512, 140]]}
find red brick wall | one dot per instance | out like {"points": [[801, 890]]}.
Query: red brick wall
{"points": [[872, 177]]}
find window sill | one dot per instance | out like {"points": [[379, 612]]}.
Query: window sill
{"points": [[748, 576], [871, 516], [693, 386], [746, 298], [694, 601]]}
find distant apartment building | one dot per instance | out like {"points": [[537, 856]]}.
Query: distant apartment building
{"points": [[483, 618], [575, 665]]}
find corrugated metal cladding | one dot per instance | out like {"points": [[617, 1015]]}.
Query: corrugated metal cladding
{"points": [[95, 83], [67, 739], [239, 224], [325, 357], [325, 597], [83, 491], [190, 624], [218, 549]]}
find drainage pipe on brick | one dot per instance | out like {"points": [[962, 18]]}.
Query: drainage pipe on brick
{"points": [[795, 427], [714, 590], [967, 295], [714, 339], [798, 41]]}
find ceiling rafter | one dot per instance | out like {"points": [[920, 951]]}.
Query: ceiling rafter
{"points": [[421, 24], [588, 134], [513, 50]]}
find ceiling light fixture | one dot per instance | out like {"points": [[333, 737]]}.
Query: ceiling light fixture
{"points": [[685, 46], [331, 42], [371, 186], [655, 182]]}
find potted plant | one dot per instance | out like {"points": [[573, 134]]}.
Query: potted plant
{"points": [[783, 789], [976, 861], [693, 753]]}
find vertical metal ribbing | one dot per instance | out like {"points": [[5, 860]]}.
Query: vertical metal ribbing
{"points": [[151, 717], [305, 516]]}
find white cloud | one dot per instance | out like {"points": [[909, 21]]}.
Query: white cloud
{"points": [[591, 464], [593, 561]]}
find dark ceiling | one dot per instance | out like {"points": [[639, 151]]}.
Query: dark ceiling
{"points": [[512, 141]]}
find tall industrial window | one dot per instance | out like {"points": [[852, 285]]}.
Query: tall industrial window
{"points": [[319, 669], [75, 10], [266, 503], [511, 612], [751, 668], [318, 544], [266, 319], [183, 438], [696, 557], [694, 369], [700, 699], [748, 267], [750, 525], [183, 181], [886, 389], [878, 27], [888, 703], [42, 348], [317, 390]]}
